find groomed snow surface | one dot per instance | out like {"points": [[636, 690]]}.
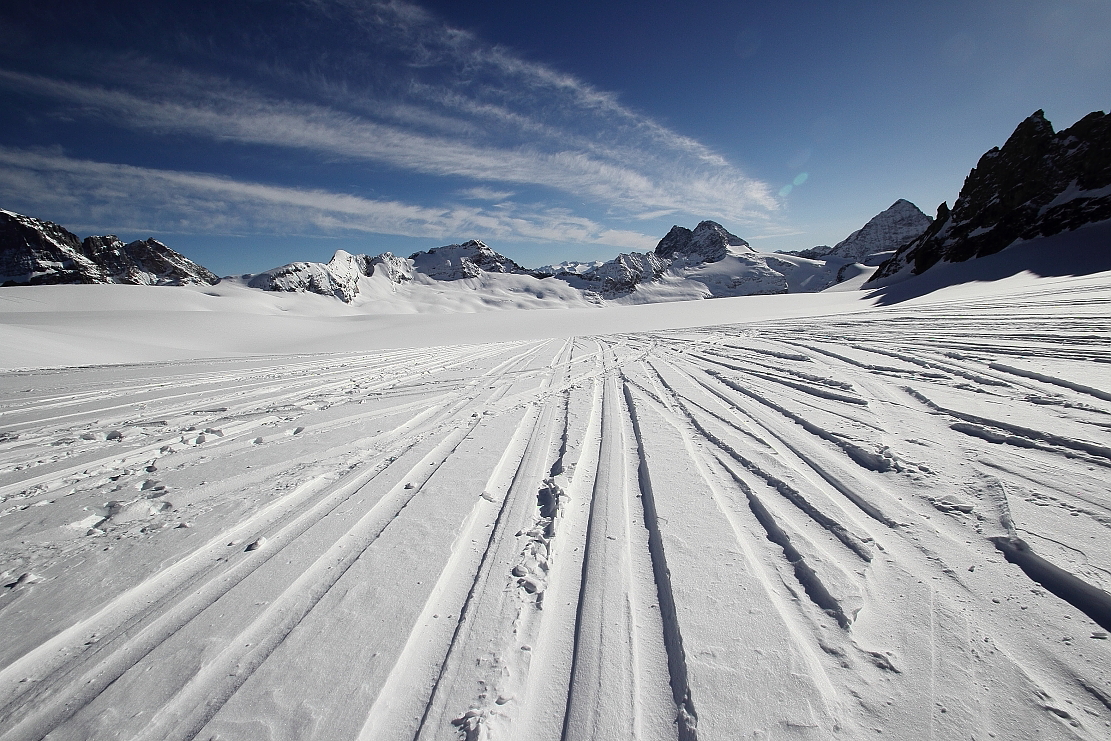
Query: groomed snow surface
{"points": [[829, 520]]}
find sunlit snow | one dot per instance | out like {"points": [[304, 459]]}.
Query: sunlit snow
{"points": [[251, 515]]}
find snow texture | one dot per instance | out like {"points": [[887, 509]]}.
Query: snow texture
{"points": [[785, 516]]}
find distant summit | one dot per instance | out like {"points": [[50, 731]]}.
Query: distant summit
{"points": [[343, 274], [1039, 183], [338, 277], [707, 242], [887, 231], [35, 252], [467, 260]]}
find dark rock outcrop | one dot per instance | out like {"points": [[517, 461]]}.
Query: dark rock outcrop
{"points": [[1039, 183], [707, 242], [36, 252]]}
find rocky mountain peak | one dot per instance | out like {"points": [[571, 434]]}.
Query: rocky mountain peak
{"points": [[707, 242], [623, 273], [887, 231], [36, 252], [459, 261], [1039, 183], [890, 229]]}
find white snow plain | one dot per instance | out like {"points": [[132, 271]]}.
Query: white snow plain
{"points": [[245, 515]]}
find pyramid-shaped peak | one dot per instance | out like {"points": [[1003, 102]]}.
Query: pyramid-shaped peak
{"points": [[712, 227], [1035, 128]]}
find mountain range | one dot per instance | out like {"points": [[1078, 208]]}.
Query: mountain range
{"points": [[1039, 183]]}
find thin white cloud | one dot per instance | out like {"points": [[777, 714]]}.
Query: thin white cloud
{"points": [[405, 91], [482, 193], [135, 199], [207, 108]]}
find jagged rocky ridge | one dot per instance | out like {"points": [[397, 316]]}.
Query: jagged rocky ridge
{"points": [[37, 252], [885, 232], [1039, 183]]}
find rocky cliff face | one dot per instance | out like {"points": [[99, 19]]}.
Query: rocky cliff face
{"points": [[1039, 183], [36, 252], [707, 242], [886, 231], [625, 272]]}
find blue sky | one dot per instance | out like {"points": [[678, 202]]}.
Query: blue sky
{"points": [[247, 134]]}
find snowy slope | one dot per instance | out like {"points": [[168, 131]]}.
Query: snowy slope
{"points": [[890, 522]]}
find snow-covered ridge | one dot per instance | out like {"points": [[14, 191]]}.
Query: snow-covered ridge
{"points": [[339, 277], [705, 262], [467, 260]]}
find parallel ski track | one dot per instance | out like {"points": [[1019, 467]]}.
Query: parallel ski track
{"points": [[556, 614], [135, 623]]}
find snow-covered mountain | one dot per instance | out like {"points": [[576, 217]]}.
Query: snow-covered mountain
{"points": [[884, 233], [339, 277], [37, 252], [467, 260], [705, 262], [708, 242], [1040, 183], [569, 266]]}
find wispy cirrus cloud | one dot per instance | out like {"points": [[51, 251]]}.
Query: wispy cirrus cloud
{"points": [[215, 110], [405, 93], [145, 199], [482, 193]]}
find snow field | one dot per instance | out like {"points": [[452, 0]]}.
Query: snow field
{"points": [[819, 527]]}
